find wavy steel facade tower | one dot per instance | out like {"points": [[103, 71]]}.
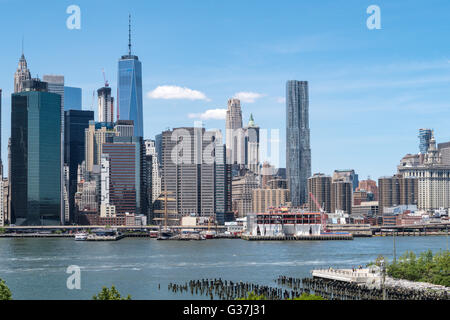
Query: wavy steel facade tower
{"points": [[130, 90], [298, 151]]}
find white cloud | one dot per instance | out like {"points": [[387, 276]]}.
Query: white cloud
{"points": [[248, 97], [281, 99], [175, 92], [215, 114]]}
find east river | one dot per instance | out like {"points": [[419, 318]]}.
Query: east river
{"points": [[36, 268]]}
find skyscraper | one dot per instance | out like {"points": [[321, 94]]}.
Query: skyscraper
{"points": [[21, 74], [193, 171], [35, 155], [75, 122], [424, 140], [127, 171], [298, 152], [72, 98], [105, 105], [55, 84], [320, 186], [234, 133], [130, 89]]}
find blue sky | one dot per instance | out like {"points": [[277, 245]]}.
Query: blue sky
{"points": [[370, 90]]}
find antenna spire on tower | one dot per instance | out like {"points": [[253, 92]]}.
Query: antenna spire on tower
{"points": [[129, 34]]}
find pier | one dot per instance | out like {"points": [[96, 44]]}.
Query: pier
{"points": [[300, 237]]}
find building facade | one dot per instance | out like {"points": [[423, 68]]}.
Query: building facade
{"points": [[320, 186], [35, 156], [105, 105], [298, 151], [75, 122], [262, 199]]}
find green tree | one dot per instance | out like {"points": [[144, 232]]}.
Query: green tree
{"points": [[110, 294], [306, 296], [253, 296], [5, 293], [425, 268]]}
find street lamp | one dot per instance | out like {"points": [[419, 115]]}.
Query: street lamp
{"points": [[383, 274]]}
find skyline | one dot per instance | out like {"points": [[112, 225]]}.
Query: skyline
{"points": [[403, 89]]}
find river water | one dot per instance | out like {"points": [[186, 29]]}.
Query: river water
{"points": [[36, 268]]}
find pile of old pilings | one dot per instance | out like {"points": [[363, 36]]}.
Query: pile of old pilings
{"points": [[229, 290], [340, 290], [289, 288]]}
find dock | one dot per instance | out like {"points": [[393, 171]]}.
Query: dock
{"points": [[297, 238]]}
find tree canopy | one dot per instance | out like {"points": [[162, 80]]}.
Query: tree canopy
{"points": [[110, 294]]}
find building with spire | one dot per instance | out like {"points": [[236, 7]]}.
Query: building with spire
{"points": [[235, 137], [22, 74], [129, 91], [252, 145], [433, 178]]}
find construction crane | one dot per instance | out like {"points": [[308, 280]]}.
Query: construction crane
{"points": [[104, 78], [323, 218]]}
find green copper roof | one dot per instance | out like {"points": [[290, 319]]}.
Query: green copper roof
{"points": [[251, 122]]}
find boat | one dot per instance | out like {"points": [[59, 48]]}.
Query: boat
{"points": [[81, 236], [153, 234], [210, 234], [165, 234]]}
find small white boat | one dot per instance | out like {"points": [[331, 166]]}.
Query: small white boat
{"points": [[81, 236]]}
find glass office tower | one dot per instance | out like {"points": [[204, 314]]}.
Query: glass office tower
{"points": [[298, 151], [72, 98], [75, 122], [35, 155], [130, 92]]}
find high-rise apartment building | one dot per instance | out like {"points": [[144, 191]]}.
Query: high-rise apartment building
{"points": [[264, 198], [341, 196], [150, 150], [298, 151], [424, 140], [105, 105], [130, 90], [320, 187], [397, 190], [347, 175], [35, 156]]}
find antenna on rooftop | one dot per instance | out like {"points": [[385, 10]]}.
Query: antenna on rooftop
{"points": [[129, 34]]}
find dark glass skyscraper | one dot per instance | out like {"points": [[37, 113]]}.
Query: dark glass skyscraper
{"points": [[298, 151], [130, 91], [35, 155], [75, 122]]}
